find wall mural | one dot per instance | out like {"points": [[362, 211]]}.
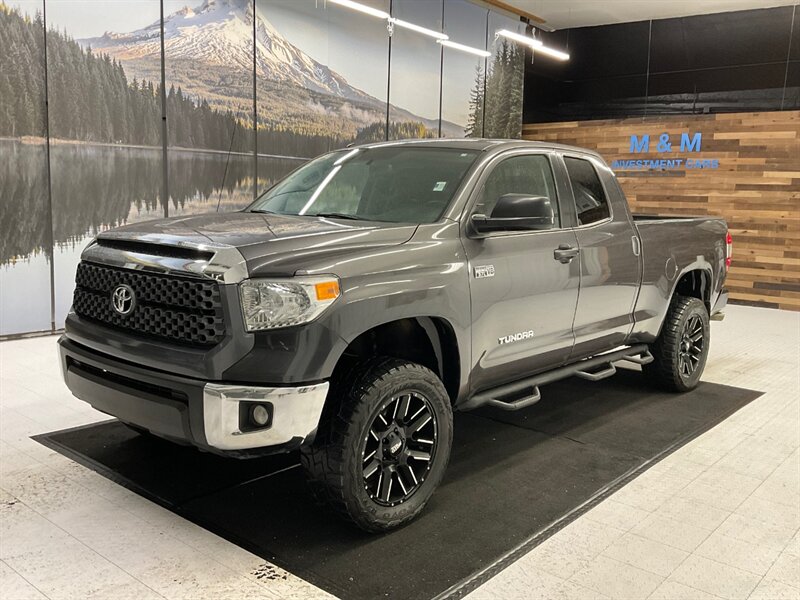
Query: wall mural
{"points": [[25, 232], [325, 78]]}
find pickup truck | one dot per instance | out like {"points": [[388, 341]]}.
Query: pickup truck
{"points": [[373, 291]]}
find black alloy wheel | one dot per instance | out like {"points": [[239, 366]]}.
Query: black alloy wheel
{"points": [[399, 448], [681, 349], [383, 443], [692, 345]]}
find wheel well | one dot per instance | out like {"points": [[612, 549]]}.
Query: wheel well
{"points": [[695, 284], [429, 341]]}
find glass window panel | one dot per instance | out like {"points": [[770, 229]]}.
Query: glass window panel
{"points": [[105, 118], [463, 73], [504, 79], [321, 81], [415, 72], [528, 175], [209, 83], [590, 198], [25, 246]]}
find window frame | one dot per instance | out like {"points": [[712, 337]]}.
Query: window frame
{"points": [[489, 168], [593, 162]]}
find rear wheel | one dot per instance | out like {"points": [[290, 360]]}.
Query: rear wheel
{"points": [[681, 350], [383, 450]]}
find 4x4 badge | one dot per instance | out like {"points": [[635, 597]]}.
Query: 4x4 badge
{"points": [[484, 271]]}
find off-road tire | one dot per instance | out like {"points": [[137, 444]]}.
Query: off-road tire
{"points": [[334, 462], [665, 370]]}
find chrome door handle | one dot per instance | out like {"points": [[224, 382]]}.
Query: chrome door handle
{"points": [[565, 253], [636, 245]]}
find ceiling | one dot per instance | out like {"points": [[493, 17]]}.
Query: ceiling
{"points": [[561, 14]]}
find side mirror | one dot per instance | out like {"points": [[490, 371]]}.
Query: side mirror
{"points": [[516, 212]]}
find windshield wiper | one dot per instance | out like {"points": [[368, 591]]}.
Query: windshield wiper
{"points": [[263, 212], [336, 215]]}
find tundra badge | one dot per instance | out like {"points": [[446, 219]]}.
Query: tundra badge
{"points": [[515, 337]]}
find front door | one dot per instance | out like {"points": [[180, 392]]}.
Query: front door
{"points": [[523, 297]]}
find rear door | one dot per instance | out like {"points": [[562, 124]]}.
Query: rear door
{"points": [[523, 298], [609, 261]]}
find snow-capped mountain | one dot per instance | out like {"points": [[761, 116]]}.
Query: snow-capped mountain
{"points": [[209, 52], [220, 33]]}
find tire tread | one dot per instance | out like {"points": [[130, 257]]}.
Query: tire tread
{"points": [[324, 460], [663, 370]]}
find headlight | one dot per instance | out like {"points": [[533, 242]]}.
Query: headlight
{"points": [[273, 303]]}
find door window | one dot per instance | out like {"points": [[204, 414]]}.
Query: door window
{"points": [[590, 198], [530, 175]]}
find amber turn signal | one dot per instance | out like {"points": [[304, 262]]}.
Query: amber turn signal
{"points": [[327, 290]]}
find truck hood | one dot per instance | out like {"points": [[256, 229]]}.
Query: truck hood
{"points": [[269, 243]]}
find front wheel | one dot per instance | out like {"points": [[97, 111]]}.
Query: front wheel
{"points": [[383, 449], [681, 350]]}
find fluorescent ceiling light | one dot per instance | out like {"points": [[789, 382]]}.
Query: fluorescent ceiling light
{"points": [[522, 39], [362, 8], [537, 45], [418, 28], [551, 52], [463, 48]]}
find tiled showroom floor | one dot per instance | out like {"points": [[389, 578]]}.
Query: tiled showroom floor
{"points": [[719, 518]]}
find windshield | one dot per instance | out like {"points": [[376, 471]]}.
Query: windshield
{"points": [[398, 184]]}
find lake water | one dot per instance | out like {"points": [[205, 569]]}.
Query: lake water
{"points": [[96, 188]]}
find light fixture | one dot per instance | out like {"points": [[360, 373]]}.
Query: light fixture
{"points": [[522, 39], [362, 8], [375, 12], [463, 48], [551, 52], [418, 28], [537, 45]]}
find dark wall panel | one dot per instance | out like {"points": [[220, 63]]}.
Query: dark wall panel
{"points": [[791, 99], [721, 40], [609, 51], [724, 62]]}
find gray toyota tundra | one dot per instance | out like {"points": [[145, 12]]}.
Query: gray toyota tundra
{"points": [[375, 290]]}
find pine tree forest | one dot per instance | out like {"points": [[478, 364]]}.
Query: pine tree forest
{"points": [[495, 104], [92, 100]]}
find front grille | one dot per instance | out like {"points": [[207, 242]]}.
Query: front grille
{"points": [[180, 309]]}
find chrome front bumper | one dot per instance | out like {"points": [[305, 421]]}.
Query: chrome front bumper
{"points": [[295, 413], [213, 416]]}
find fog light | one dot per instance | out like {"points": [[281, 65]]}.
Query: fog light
{"points": [[259, 415]]}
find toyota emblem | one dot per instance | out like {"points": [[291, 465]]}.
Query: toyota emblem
{"points": [[123, 300]]}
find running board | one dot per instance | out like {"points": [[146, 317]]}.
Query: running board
{"points": [[529, 386]]}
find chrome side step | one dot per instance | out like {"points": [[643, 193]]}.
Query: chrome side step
{"points": [[639, 354]]}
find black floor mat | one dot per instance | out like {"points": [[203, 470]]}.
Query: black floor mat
{"points": [[510, 476]]}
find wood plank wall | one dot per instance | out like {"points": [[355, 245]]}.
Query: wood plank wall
{"points": [[756, 187]]}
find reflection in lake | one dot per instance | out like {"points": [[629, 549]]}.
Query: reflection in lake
{"points": [[95, 188]]}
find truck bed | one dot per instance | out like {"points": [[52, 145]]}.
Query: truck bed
{"points": [[672, 246]]}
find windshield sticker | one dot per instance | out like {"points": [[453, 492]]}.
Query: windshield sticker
{"points": [[440, 185]]}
